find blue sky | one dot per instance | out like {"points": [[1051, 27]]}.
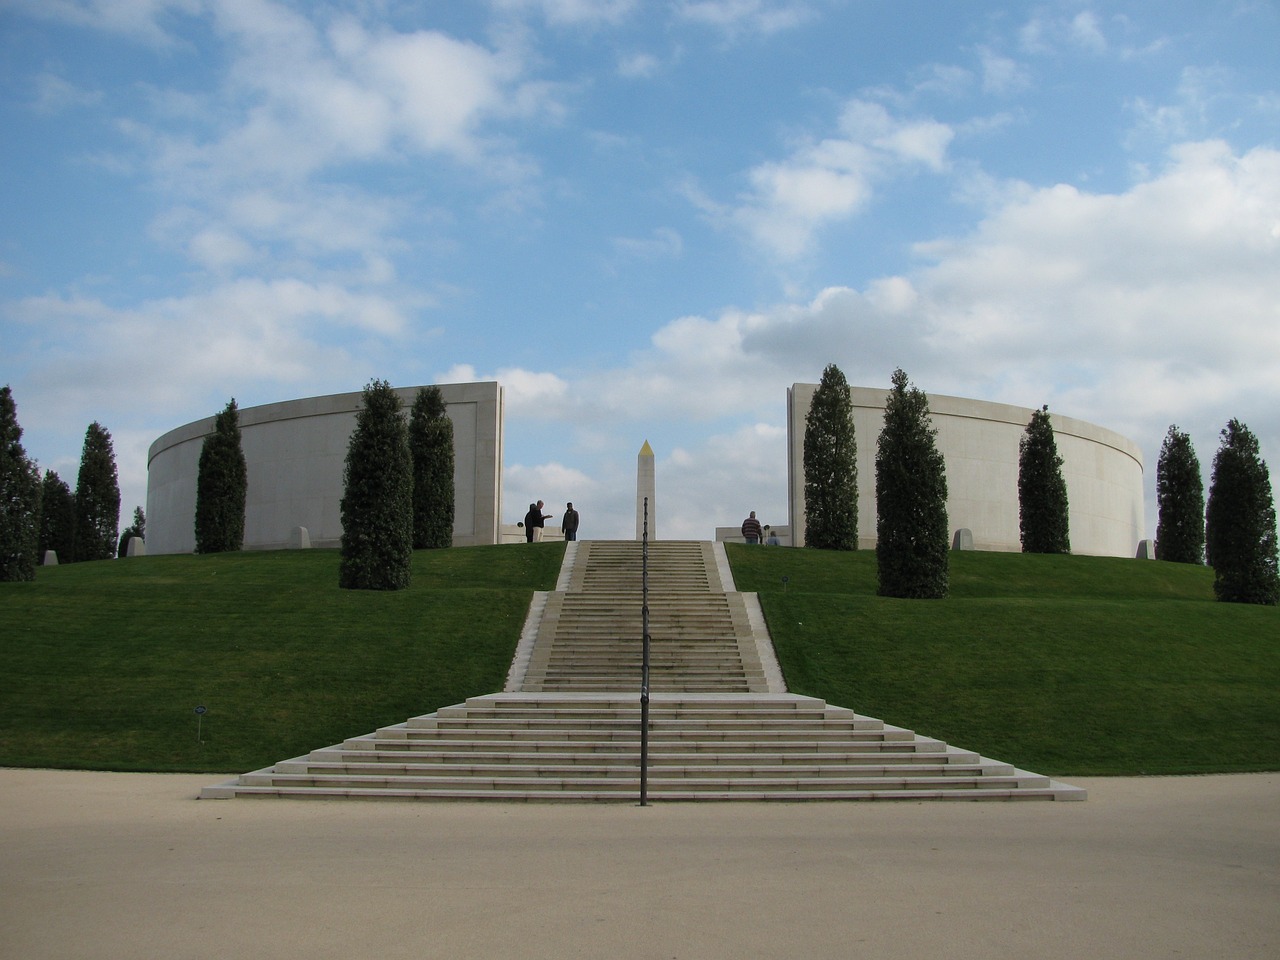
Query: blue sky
{"points": [[646, 219]]}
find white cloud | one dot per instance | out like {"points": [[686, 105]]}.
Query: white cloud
{"points": [[573, 12], [1087, 32], [176, 351], [140, 20], [638, 66], [1134, 275], [1207, 103], [55, 94], [1002, 75], [662, 243], [751, 16], [833, 179], [792, 199], [301, 95], [531, 392], [218, 249], [944, 80]]}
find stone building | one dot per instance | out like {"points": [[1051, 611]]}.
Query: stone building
{"points": [[979, 442], [296, 451]]}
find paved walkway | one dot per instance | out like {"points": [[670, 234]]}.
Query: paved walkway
{"points": [[102, 866]]}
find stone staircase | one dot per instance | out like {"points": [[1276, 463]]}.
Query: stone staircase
{"points": [[589, 634], [721, 725]]}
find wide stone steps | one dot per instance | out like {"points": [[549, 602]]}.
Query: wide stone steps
{"points": [[568, 728], [591, 631], [580, 747]]}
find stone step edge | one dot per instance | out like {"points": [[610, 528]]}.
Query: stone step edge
{"points": [[689, 769], [631, 783], [1054, 792]]}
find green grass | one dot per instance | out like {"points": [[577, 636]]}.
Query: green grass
{"points": [[1062, 665], [103, 664]]}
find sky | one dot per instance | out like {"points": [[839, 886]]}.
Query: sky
{"points": [[645, 219]]}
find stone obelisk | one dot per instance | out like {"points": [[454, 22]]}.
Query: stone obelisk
{"points": [[646, 488]]}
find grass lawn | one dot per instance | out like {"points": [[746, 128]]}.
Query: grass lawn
{"points": [[1061, 665], [103, 664]]}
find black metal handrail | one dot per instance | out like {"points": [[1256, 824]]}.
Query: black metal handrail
{"points": [[644, 661]]}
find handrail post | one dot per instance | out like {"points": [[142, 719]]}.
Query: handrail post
{"points": [[644, 662]]}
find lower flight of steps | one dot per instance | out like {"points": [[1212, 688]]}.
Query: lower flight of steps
{"points": [[586, 747]]}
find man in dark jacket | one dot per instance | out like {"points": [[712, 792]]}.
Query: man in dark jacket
{"points": [[539, 521], [569, 523]]}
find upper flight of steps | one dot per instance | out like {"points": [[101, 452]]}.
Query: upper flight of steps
{"points": [[721, 725], [589, 636]]}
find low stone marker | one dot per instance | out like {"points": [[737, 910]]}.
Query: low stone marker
{"points": [[51, 558], [1146, 550], [299, 539], [137, 547], [963, 539]]}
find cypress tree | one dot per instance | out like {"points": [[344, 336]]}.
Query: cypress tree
{"points": [[20, 491], [377, 500], [1180, 499], [57, 519], [431, 446], [830, 466], [221, 486], [911, 499], [97, 497], [1042, 492], [1240, 525]]}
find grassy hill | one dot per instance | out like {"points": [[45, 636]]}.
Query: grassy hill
{"points": [[1063, 665], [1060, 664], [103, 664]]}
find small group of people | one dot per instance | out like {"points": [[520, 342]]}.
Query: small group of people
{"points": [[535, 521], [753, 532]]}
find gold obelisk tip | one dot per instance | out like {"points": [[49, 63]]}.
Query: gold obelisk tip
{"points": [[646, 450]]}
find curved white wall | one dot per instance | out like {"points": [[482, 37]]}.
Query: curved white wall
{"points": [[296, 451], [979, 442]]}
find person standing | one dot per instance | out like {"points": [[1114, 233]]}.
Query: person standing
{"points": [[539, 522], [751, 529], [569, 522], [532, 521]]}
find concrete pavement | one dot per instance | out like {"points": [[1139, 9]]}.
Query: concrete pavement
{"points": [[102, 865]]}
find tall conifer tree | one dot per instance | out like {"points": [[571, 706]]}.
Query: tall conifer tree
{"points": [[222, 484], [97, 497], [57, 519], [377, 500], [1240, 526], [911, 499], [431, 445], [1043, 516], [1180, 499], [830, 466], [19, 498]]}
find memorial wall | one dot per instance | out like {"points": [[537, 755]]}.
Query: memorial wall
{"points": [[979, 443], [296, 451]]}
